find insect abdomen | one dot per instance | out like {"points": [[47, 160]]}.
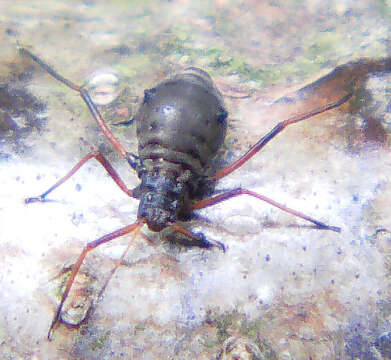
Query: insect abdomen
{"points": [[182, 121]]}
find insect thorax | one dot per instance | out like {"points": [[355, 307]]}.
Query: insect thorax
{"points": [[163, 196]]}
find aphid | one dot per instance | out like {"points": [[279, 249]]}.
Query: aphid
{"points": [[181, 124]]}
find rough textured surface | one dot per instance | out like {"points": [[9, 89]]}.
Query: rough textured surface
{"points": [[285, 288]]}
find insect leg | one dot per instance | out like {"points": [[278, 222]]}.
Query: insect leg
{"points": [[274, 132], [236, 192], [197, 239], [85, 96], [98, 156], [75, 269]]}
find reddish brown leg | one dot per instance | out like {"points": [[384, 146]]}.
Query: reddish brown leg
{"points": [[75, 269], [229, 194], [85, 96], [257, 147], [120, 260], [98, 156], [274, 132]]}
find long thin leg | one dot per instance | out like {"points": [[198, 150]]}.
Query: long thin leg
{"points": [[119, 262], [75, 269], [274, 132], [98, 156], [85, 96], [236, 192]]}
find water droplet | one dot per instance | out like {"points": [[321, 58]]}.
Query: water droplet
{"points": [[103, 86]]}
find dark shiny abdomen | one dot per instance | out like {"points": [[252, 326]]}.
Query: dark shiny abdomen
{"points": [[182, 120]]}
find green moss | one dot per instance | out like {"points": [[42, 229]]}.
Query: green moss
{"points": [[236, 323], [139, 327], [324, 43], [210, 343], [100, 341], [134, 65], [222, 322], [384, 7]]}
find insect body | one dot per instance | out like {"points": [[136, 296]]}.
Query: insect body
{"points": [[181, 124]]}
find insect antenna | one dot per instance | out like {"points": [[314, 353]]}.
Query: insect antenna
{"points": [[85, 96]]}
